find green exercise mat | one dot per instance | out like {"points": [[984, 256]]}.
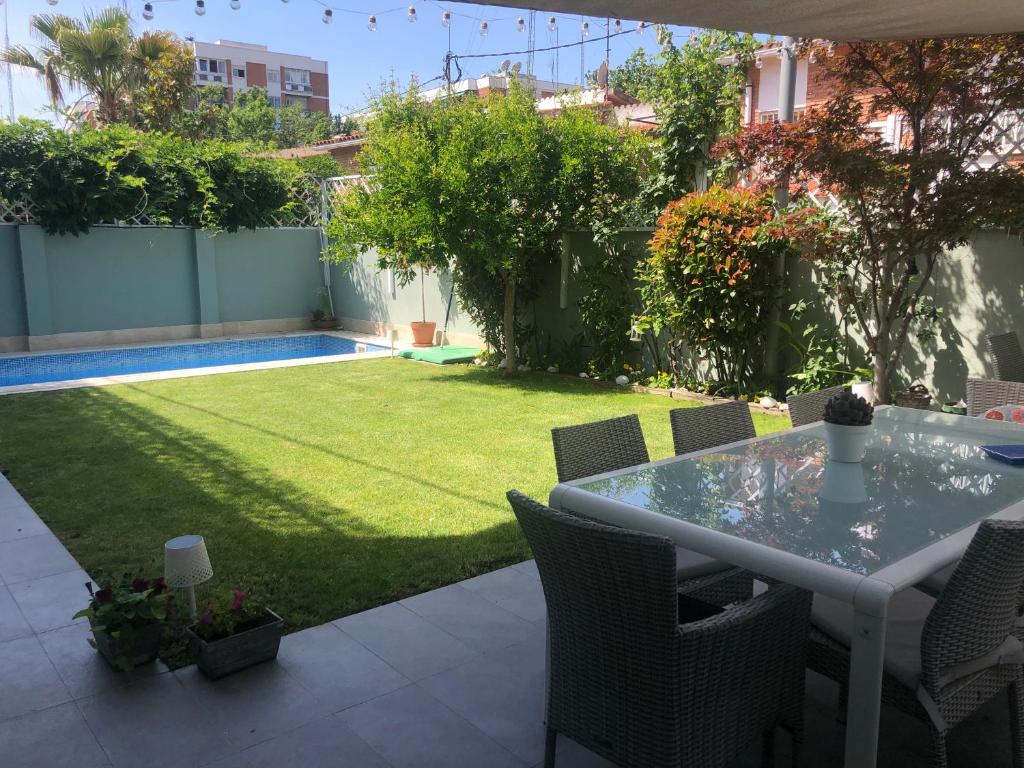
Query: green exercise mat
{"points": [[441, 355]]}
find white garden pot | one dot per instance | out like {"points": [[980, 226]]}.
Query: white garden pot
{"points": [[843, 483], [847, 444]]}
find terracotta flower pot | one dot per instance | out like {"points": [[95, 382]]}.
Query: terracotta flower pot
{"points": [[423, 334]]}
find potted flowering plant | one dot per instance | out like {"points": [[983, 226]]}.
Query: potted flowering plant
{"points": [[848, 420], [231, 636], [127, 618]]}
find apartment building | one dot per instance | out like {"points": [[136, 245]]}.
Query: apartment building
{"points": [[288, 78]]}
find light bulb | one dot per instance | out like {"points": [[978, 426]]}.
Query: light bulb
{"points": [[617, 26], [641, 27], [520, 24], [412, 14], [446, 18], [235, 4], [147, 11], [757, 62], [585, 29], [200, 7], [371, 23], [51, 2], [284, 1], [328, 16], [552, 23], [483, 29]]}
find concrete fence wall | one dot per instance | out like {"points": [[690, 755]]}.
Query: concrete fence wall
{"points": [[124, 285]]}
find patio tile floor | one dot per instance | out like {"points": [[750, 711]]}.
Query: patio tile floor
{"points": [[453, 677]]}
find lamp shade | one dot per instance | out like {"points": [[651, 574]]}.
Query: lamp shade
{"points": [[186, 562]]}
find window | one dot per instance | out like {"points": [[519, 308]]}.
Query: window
{"points": [[275, 101], [272, 76], [239, 72], [203, 65], [297, 79]]}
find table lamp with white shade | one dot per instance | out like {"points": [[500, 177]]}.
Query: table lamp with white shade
{"points": [[186, 564]]}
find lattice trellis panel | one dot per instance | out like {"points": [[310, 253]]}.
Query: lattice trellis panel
{"points": [[1003, 142], [22, 212]]}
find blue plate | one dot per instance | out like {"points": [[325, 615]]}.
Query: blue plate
{"points": [[1011, 454]]}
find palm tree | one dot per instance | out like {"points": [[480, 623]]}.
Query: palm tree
{"points": [[99, 54]]}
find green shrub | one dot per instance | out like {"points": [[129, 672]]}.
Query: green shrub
{"points": [[76, 180]]}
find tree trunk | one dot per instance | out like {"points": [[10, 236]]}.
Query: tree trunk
{"points": [[509, 328], [880, 363]]}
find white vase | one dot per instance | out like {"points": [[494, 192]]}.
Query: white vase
{"points": [[844, 483], [845, 443]]}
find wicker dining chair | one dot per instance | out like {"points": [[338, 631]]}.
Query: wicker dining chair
{"points": [[945, 657], [708, 426], [583, 450], [983, 394], [1007, 356], [630, 682], [810, 406]]}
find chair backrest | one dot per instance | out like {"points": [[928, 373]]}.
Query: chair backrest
{"points": [[810, 406], [600, 446], [983, 394], [976, 613], [708, 426], [613, 663], [1007, 356]]}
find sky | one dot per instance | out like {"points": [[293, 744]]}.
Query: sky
{"points": [[358, 59]]}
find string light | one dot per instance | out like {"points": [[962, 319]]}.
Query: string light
{"points": [[552, 23], [147, 11], [235, 4], [483, 29], [371, 23], [328, 16], [200, 7], [412, 14], [52, 2], [617, 25], [585, 29], [641, 27], [446, 18], [520, 24]]}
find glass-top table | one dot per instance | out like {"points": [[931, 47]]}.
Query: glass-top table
{"points": [[855, 532]]}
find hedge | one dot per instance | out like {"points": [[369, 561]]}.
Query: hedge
{"points": [[101, 175]]}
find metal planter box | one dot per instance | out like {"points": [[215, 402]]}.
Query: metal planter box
{"points": [[257, 644]]}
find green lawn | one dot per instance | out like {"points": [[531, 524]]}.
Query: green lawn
{"points": [[329, 488]]}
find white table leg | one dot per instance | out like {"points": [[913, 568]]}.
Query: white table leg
{"points": [[867, 658]]}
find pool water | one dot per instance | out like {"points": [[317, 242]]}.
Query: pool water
{"points": [[63, 366]]}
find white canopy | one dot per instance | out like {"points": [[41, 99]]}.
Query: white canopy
{"points": [[841, 20]]}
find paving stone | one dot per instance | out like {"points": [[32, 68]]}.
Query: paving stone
{"points": [[19, 521], [28, 681], [513, 590], [52, 738], [34, 557], [154, 723], [324, 743], [12, 623], [52, 601], [406, 640], [80, 666], [501, 693], [529, 567], [470, 617], [335, 668], [252, 705], [412, 729]]}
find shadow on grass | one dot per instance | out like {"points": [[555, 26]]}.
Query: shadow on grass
{"points": [[535, 382], [115, 480]]}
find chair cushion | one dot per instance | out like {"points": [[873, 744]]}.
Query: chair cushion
{"points": [[1011, 412], [690, 565], [908, 610]]}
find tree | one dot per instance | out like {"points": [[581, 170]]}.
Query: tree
{"points": [[697, 101], [208, 117], [251, 118], [636, 76], [166, 89], [907, 204], [98, 53], [483, 186], [296, 127]]}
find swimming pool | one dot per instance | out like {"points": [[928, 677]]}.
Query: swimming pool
{"points": [[65, 366]]}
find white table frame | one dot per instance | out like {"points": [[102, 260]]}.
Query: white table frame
{"points": [[868, 596]]}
